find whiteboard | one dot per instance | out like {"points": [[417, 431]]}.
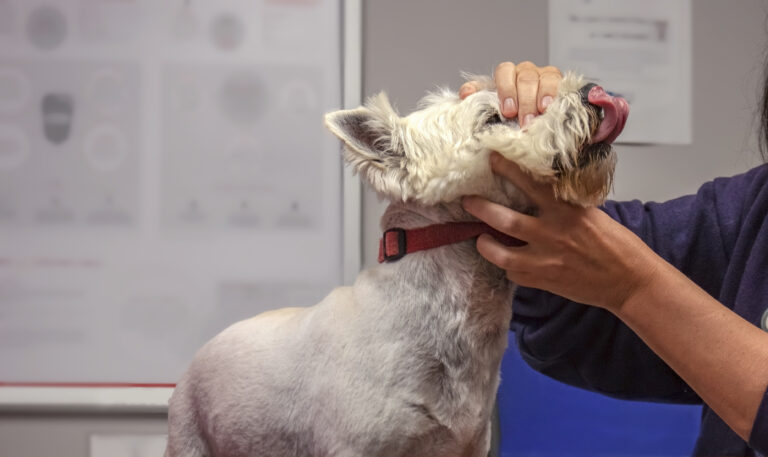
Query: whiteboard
{"points": [[164, 172]]}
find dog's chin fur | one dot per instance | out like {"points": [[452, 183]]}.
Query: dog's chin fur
{"points": [[404, 363], [587, 186]]}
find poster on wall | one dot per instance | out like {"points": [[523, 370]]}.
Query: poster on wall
{"points": [[164, 172], [639, 50]]}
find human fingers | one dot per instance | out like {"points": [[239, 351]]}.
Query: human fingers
{"points": [[527, 92], [549, 80], [503, 219], [505, 77], [468, 88], [541, 194], [514, 260], [496, 252]]}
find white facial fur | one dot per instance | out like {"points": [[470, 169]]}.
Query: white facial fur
{"points": [[440, 152]]}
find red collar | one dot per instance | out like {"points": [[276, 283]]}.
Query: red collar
{"points": [[398, 242]]}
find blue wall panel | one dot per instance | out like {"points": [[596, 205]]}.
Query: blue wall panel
{"points": [[540, 417]]}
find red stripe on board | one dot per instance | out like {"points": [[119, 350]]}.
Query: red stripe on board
{"points": [[86, 384]]}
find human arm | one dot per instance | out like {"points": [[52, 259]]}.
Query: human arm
{"points": [[587, 257]]}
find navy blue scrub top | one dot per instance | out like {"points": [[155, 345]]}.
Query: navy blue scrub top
{"points": [[718, 238]]}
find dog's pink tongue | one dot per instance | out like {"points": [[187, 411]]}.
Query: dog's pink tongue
{"points": [[615, 110]]}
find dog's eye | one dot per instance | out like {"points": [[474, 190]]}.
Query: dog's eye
{"points": [[494, 118]]}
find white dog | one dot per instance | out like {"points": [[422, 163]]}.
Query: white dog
{"points": [[406, 361]]}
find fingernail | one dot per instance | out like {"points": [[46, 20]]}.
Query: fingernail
{"points": [[508, 107], [527, 120], [546, 101]]}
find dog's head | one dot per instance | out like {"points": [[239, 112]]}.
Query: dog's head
{"points": [[440, 152]]}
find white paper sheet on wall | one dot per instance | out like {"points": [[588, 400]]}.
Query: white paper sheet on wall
{"points": [[164, 172], [639, 50]]}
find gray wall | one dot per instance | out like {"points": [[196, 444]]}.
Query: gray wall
{"points": [[412, 45]]}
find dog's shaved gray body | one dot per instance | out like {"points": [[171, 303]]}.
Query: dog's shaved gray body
{"points": [[406, 361]]}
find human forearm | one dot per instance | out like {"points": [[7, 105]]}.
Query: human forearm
{"points": [[689, 330], [584, 255]]}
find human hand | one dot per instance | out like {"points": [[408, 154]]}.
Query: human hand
{"points": [[578, 253], [525, 90]]}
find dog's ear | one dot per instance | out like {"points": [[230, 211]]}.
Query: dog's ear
{"points": [[372, 144]]}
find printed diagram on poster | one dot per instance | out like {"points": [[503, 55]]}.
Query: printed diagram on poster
{"points": [[639, 50], [164, 172]]}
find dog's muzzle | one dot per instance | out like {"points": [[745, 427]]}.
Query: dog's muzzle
{"points": [[615, 112]]}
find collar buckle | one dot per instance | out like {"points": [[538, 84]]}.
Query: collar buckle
{"points": [[393, 235]]}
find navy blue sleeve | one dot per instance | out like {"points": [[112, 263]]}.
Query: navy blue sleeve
{"points": [[589, 347], [758, 439]]}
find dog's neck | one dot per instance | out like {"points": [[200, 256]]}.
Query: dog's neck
{"points": [[448, 301], [461, 264], [413, 215], [456, 279]]}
